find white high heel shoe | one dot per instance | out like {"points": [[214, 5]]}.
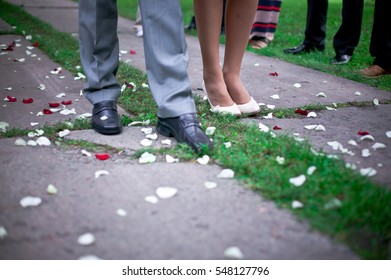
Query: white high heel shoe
{"points": [[233, 109], [249, 108]]}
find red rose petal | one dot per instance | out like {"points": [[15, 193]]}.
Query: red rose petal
{"points": [[132, 52], [102, 156], [9, 48], [68, 102], [273, 74], [47, 112], [28, 101], [129, 85], [276, 127], [11, 98], [36, 44], [301, 112], [362, 133], [54, 104]]}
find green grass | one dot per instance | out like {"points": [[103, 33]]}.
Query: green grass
{"points": [[290, 32], [364, 219]]}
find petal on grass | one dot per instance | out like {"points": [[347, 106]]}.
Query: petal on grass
{"points": [[30, 201], [233, 253], [368, 172], [298, 181], [170, 159], [210, 130], [268, 116], [64, 133], [147, 158], [311, 170], [203, 160], [280, 160], [86, 239], [332, 204], [226, 174], [301, 112], [166, 192], [297, 204], [227, 144]]}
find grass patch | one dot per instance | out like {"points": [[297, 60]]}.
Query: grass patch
{"points": [[364, 218]]}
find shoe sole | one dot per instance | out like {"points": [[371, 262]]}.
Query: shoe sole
{"points": [[108, 131]]}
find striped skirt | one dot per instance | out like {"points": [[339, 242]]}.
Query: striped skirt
{"points": [[266, 18]]}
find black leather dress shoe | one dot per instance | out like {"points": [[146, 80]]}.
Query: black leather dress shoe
{"points": [[341, 59], [186, 129], [303, 48], [105, 118]]}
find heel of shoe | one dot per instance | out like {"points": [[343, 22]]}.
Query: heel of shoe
{"points": [[249, 108], [233, 109]]}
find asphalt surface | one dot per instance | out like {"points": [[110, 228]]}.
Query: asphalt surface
{"points": [[196, 223]]}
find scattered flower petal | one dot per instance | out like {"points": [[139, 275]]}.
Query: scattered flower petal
{"points": [[331, 108], [56, 71], [367, 137], [41, 87], [43, 141], [11, 99], [362, 133], [3, 126], [368, 172], [297, 204], [51, 189], [121, 212], [297, 85], [66, 102], [47, 111], [144, 85], [357, 93], [86, 239], [335, 145], [257, 64], [132, 52], [84, 116], [151, 199], [365, 153], [378, 145], [147, 158], [228, 145], [203, 160], [210, 130], [274, 74], [280, 160], [3, 232], [153, 136], [271, 106], [352, 142], [311, 126], [321, 94], [170, 159], [311, 170], [276, 127], [332, 204], [166, 192], [275, 96], [101, 173], [28, 101], [210, 185], [20, 142], [146, 142], [60, 95], [166, 142], [226, 174], [301, 112], [32, 143], [147, 130], [30, 201], [68, 112], [64, 132], [89, 258], [268, 116], [388, 134], [102, 156], [320, 128], [263, 128], [85, 153], [376, 101], [233, 253], [297, 181], [311, 115]]}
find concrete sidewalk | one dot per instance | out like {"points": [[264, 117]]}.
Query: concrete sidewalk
{"points": [[197, 223]]}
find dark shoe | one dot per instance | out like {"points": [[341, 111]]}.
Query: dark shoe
{"points": [[304, 48], [105, 118], [192, 25], [341, 59], [186, 129], [374, 71]]}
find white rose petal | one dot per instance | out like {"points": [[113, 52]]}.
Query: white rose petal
{"points": [[263, 127], [81, 75], [84, 116], [280, 160], [388, 134], [311, 170], [51, 189], [321, 94], [121, 212], [275, 96], [144, 85], [376, 101], [29, 37], [41, 86], [365, 153], [147, 158], [320, 128], [311, 126], [228, 145], [331, 108], [166, 142], [123, 87], [55, 110], [204, 160], [297, 181], [332, 204], [297, 85], [86, 239], [268, 116], [210, 185], [20, 142], [67, 112], [357, 93], [335, 145], [256, 64], [166, 192], [368, 172], [297, 204], [34, 124], [151, 136], [85, 153], [147, 130], [378, 145], [89, 258], [39, 114], [151, 199], [43, 141], [146, 142], [367, 137], [233, 253], [21, 59], [226, 174], [101, 173], [32, 143], [210, 130], [271, 106], [3, 232], [170, 159], [30, 201], [352, 142], [63, 133], [351, 166], [311, 115], [3, 126]]}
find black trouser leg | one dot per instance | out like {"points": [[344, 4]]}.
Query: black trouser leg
{"points": [[315, 31]]}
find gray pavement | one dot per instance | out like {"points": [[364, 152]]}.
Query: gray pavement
{"points": [[197, 223]]}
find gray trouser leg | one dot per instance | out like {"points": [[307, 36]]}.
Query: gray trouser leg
{"points": [[99, 48], [166, 57]]}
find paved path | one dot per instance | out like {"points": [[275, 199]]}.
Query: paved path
{"points": [[197, 223]]}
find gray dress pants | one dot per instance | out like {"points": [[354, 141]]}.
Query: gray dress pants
{"points": [[165, 50]]}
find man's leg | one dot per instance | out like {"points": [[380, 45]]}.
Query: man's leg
{"points": [[166, 59], [99, 53]]}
